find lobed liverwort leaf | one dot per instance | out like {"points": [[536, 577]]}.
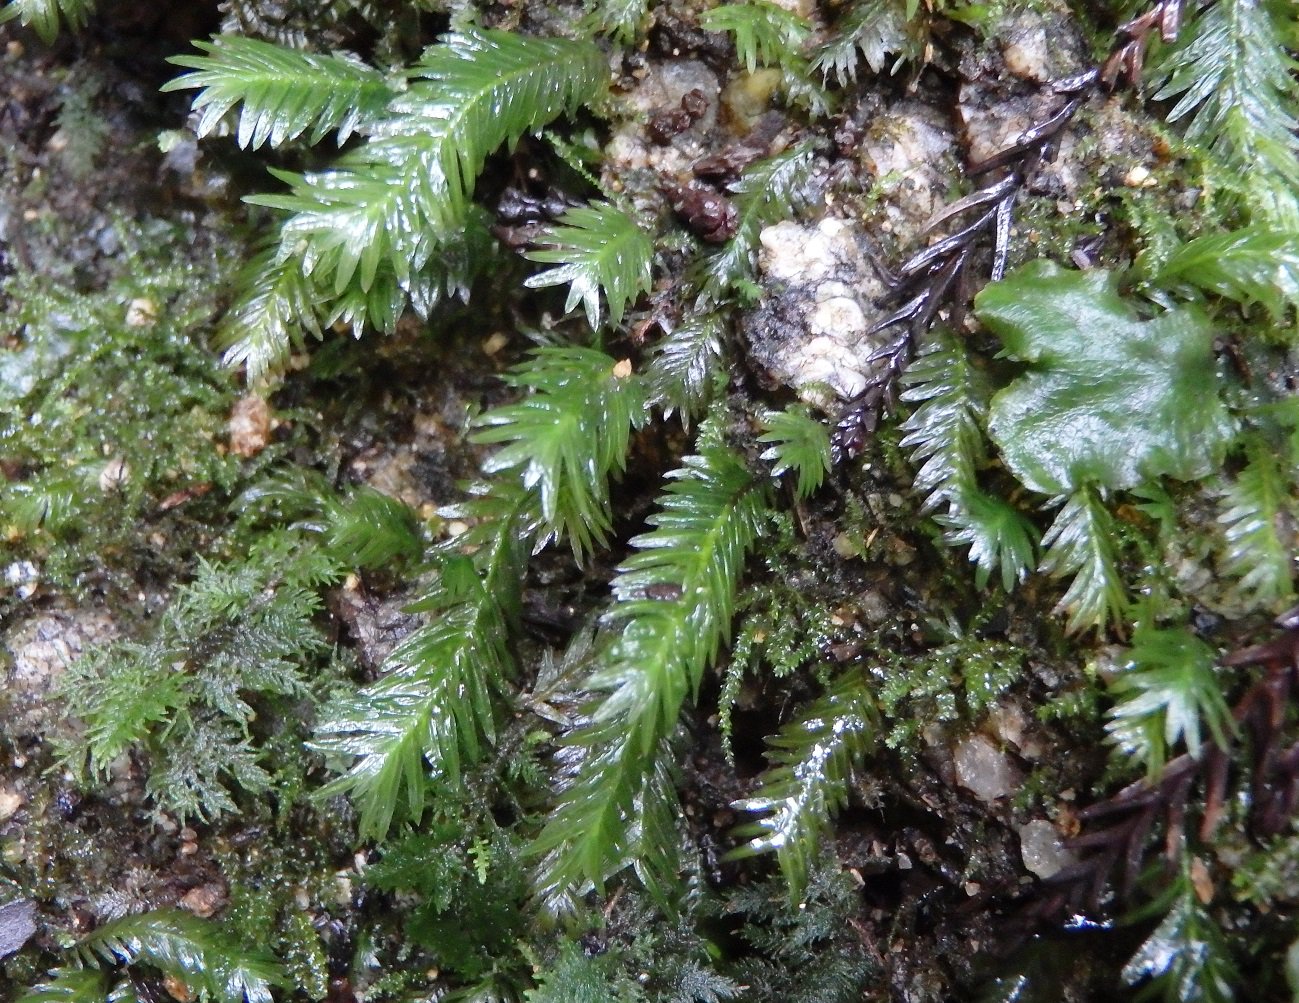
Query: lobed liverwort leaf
{"points": [[1108, 398]]}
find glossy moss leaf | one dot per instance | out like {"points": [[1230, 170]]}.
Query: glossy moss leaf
{"points": [[1108, 399]]}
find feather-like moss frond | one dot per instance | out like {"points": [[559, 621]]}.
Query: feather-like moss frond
{"points": [[353, 218], [684, 365], [799, 443], [813, 760], [946, 438], [433, 709], [765, 34], [375, 219], [277, 303], [237, 630], [480, 90], [567, 437], [1235, 83], [1166, 694], [192, 950], [769, 191], [1080, 545], [43, 16], [674, 600], [1255, 264], [597, 247], [876, 29], [283, 93], [1258, 526]]}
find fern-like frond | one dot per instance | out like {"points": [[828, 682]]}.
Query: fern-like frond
{"points": [[375, 219], [1185, 959], [1258, 519], [684, 365], [874, 28], [276, 306], [567, 437], [765, 34], [1234, 80], [479, 90], [195, 951], [68, 985], [799, 443], [1255, 264], [358, 215], [368, 529], [769, 191], [674, 600], [620, 19], [1080, 545], [283, 92], [433, 707], [42, 16], [1166, 694], [597, 247], [946, 438], [813, 761]]}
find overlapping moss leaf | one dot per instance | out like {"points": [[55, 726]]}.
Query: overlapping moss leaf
{"points": [[674, 599], [813, 762], [596, 248]]}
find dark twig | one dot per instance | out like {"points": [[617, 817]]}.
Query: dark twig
{"points": [[938, 275], [1125, 821]]}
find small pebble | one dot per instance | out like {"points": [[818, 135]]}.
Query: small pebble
{"points": [[250, 426]]}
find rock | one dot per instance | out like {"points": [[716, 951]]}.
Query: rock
{"points": [[1043, 850], [23, 577], [10, 802], [983, 769], [114, 475], [46, 645], [909, 151], [205, 900], [17, 925], [250, 426], [1026, 52], [661, 90], [811, 332]]}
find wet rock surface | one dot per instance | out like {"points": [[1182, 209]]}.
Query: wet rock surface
{"points": [[810, 330]]}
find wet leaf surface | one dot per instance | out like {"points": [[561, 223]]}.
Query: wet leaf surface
{"points": [[1108, 398]]}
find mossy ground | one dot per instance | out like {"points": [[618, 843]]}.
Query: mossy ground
{"points": [[122, 473]]}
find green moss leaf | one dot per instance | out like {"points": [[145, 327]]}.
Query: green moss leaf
{"points": [[193, 950], [1257, 264], [1167, 694], [42, 16], [284, 93], [596, 247], [1109, 398], [798, 443]]}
